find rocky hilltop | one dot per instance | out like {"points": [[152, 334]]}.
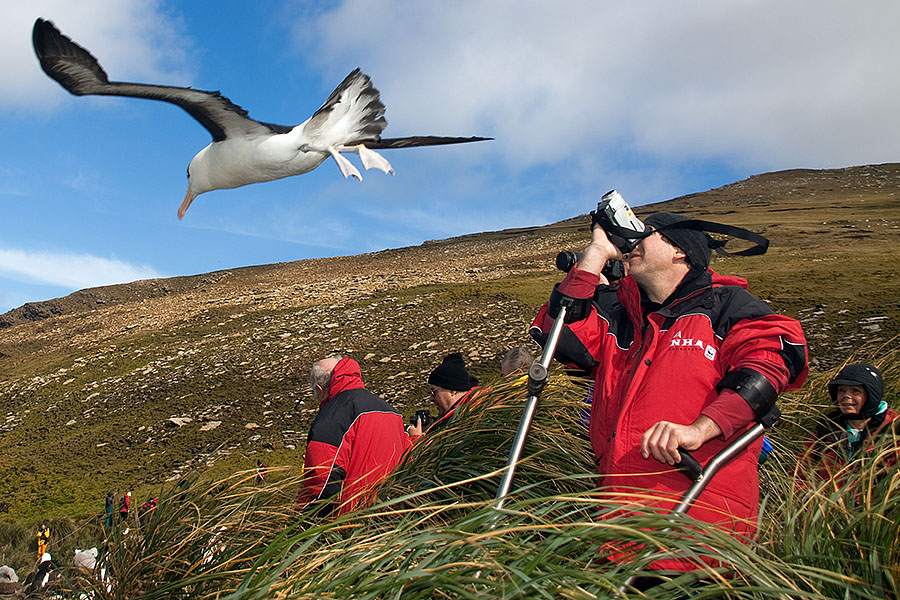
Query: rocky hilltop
{"points": [[128, 386]]}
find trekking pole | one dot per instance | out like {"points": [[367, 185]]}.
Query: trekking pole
{"points": [[538, 375], [701, 476]]}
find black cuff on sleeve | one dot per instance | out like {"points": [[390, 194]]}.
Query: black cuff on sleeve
{"points": [[570, 350], [334, 483], [579, 309], [753, 387]]}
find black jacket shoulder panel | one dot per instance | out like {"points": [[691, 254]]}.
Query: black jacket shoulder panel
{"points": [[611, 310], [606, 300], [724, 306], [339, 413]]}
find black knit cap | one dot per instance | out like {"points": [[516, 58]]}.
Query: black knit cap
{"points": [[864, 375], [695, 244], [451, 374]]}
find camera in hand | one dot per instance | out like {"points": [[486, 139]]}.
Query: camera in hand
{"points": [[617, 219], [613, 270], [425, 417]]}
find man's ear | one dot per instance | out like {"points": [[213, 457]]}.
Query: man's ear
{"points": [[679, 253]]}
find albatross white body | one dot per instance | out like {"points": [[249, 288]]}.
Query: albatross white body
{"points": [[241, 161]]}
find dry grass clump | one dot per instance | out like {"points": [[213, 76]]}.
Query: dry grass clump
{"points": [[433, 532]]}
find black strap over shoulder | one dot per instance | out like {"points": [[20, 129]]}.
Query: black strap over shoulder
{"points": [[753, 387], [579, 309]]}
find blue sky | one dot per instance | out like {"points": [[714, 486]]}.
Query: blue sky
{"points": [[654, 98]]}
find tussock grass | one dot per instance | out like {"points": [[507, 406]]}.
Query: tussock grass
{"points": [[432, 530], [849, 524]]}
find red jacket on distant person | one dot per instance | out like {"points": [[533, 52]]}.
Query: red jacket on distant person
{"points": [[355, 441], [828, 452], [655, 362]]}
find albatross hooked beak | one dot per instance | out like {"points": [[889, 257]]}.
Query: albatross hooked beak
{"points": [[188, 198]]}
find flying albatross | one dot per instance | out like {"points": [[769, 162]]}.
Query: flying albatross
{"points": [[245, 151]]}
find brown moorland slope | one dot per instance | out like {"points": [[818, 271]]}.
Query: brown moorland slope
{"points": [[132, 385]]}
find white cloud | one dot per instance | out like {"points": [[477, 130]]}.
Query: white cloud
{"points": [[132, 39], [758, 84], [75, 271]]}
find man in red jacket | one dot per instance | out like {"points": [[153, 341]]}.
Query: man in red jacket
{"points": [[355, 440], [682, 357]]}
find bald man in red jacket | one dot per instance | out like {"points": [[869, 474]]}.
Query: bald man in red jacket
{"points": [[355, 441]]}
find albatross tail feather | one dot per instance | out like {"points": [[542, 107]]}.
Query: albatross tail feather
{"points": [[353, 111], [418, 140]]}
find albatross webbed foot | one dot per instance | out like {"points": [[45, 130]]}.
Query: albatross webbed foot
{"points": [[370, 159], [344, 165]]}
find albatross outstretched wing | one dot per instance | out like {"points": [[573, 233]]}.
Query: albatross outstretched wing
{"points": [[80, 73]]}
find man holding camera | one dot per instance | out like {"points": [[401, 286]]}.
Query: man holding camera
{"points": [[355, 441], [451, 385], [682, 358]]}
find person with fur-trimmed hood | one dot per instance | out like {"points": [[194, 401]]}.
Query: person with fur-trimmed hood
{"points": [[861, 419], [355, 440], [682, 357]]}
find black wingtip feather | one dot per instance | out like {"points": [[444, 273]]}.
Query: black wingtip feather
{"points": [[54, 50]]}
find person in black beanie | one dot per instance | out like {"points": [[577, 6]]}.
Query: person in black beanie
{"points": [[861, 417], [696, 245], [450, 385]]}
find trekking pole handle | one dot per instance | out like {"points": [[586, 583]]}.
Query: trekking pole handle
{"points": [[689, 465], [693, 470]]}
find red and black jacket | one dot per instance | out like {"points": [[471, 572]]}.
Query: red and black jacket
{"points": [[354, 442], [663, 362], [828, 452]]}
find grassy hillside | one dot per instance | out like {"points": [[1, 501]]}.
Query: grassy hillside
{"points": [[127, 387]]}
